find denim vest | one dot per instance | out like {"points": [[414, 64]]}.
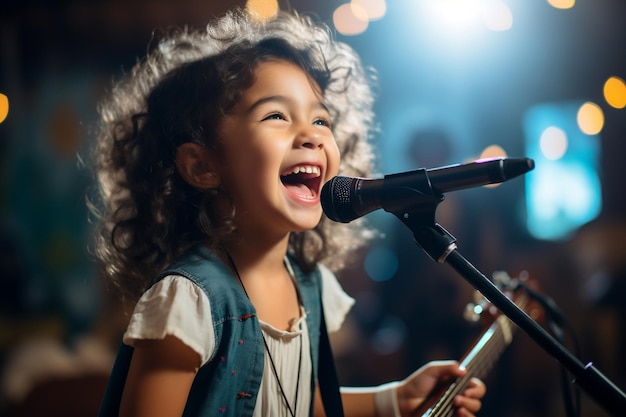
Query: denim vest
{"points": [[229, 383]]}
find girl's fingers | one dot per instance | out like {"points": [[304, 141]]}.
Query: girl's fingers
{"points": [[475, 389], [471, 404]]}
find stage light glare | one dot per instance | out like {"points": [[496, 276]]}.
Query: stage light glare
{"points": [[347, 22], [590, 118], [553, 143], [375, 9], [615, 92], [457, 14], [4, 107], [562, 4]]}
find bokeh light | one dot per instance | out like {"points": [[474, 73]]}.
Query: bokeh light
{"points": [[381, 263], [553, 143], [374, 9], [263, 9], [497, 16], [350, 19], [590, 118], [562, 4], [492, 151], [615, 92], [4, 107]]}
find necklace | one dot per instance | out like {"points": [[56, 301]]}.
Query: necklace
{"points": [[292, 411]]}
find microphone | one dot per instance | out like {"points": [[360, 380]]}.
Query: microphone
{"points": [[347, 198]]}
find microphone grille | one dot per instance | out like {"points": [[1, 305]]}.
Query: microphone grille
{"points": [[336, 199]]}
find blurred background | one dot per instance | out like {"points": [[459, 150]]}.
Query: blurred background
{"points": [[458, 80]]}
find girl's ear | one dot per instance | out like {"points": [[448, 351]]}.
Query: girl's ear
{"points": [[196, 166]]}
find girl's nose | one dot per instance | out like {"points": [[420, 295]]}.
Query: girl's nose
{"points": [[310, 137]]}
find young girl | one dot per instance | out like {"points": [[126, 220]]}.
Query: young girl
{"points": [[210, 160]]}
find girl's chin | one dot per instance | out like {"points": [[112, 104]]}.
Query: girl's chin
{"points": [[308, 221]]}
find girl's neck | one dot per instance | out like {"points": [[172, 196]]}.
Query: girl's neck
{"points": [[257, 258], [265, 279]]}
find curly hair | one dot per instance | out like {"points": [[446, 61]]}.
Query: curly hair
{"points": [[147, 214]]}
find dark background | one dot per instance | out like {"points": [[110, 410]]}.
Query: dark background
{"points": [[436, 105]]}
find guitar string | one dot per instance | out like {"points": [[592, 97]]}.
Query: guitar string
{"points": [[478, 364]]}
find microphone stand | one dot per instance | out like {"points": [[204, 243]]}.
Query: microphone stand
{"points": [[440, 245]]}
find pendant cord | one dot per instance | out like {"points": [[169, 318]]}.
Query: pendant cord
{"points": [[282, 391]]}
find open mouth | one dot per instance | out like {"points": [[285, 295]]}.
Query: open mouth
{"points": [[302, 180]]}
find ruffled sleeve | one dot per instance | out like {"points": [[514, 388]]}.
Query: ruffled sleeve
{"points": [[336, 302], [174, 306]]}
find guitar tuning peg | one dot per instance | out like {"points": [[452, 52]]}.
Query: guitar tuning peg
{"points": [[473, 312], [501, 278], [504, 281]]}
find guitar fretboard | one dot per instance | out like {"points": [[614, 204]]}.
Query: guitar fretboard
{"points": [[478, 361]]}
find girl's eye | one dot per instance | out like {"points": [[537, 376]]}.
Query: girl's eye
{"points": [[275, 116], [322, 122]]}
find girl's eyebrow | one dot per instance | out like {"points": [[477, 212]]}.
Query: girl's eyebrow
{"points": [[282, 100]]}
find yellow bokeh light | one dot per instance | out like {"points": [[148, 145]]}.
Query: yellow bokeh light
{"points": [[562, 4], [4, 107], [615, 92], [359, 12], [492, 152], [375, 9], [347, 22], [262, 9], [590, 118]]}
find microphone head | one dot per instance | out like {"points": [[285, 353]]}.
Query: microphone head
{"points": [[336, 199]]}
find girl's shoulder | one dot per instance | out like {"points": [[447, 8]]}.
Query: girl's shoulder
{"points": [[204, 268], [337, 303]]}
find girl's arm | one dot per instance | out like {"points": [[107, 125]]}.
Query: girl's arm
{"points": [[159, 379], [408, 394], [357, 402]]}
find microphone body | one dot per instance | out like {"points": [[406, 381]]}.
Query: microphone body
{"points": [[347, 198]]}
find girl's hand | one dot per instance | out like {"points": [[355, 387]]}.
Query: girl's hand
{"points": [[415, 389]]}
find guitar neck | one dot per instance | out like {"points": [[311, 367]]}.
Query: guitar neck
{"points": [[488, 348], [479, 361]]}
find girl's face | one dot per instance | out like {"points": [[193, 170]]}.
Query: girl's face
{"points": [[278, 150]]}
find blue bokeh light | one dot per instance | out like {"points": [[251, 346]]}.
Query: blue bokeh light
{"points": [[562, 194]]}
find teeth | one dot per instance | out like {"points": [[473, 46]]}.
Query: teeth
{"points": [[308, 169]]}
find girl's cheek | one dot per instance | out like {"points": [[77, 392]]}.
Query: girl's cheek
{"points": [[334, 161]]}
